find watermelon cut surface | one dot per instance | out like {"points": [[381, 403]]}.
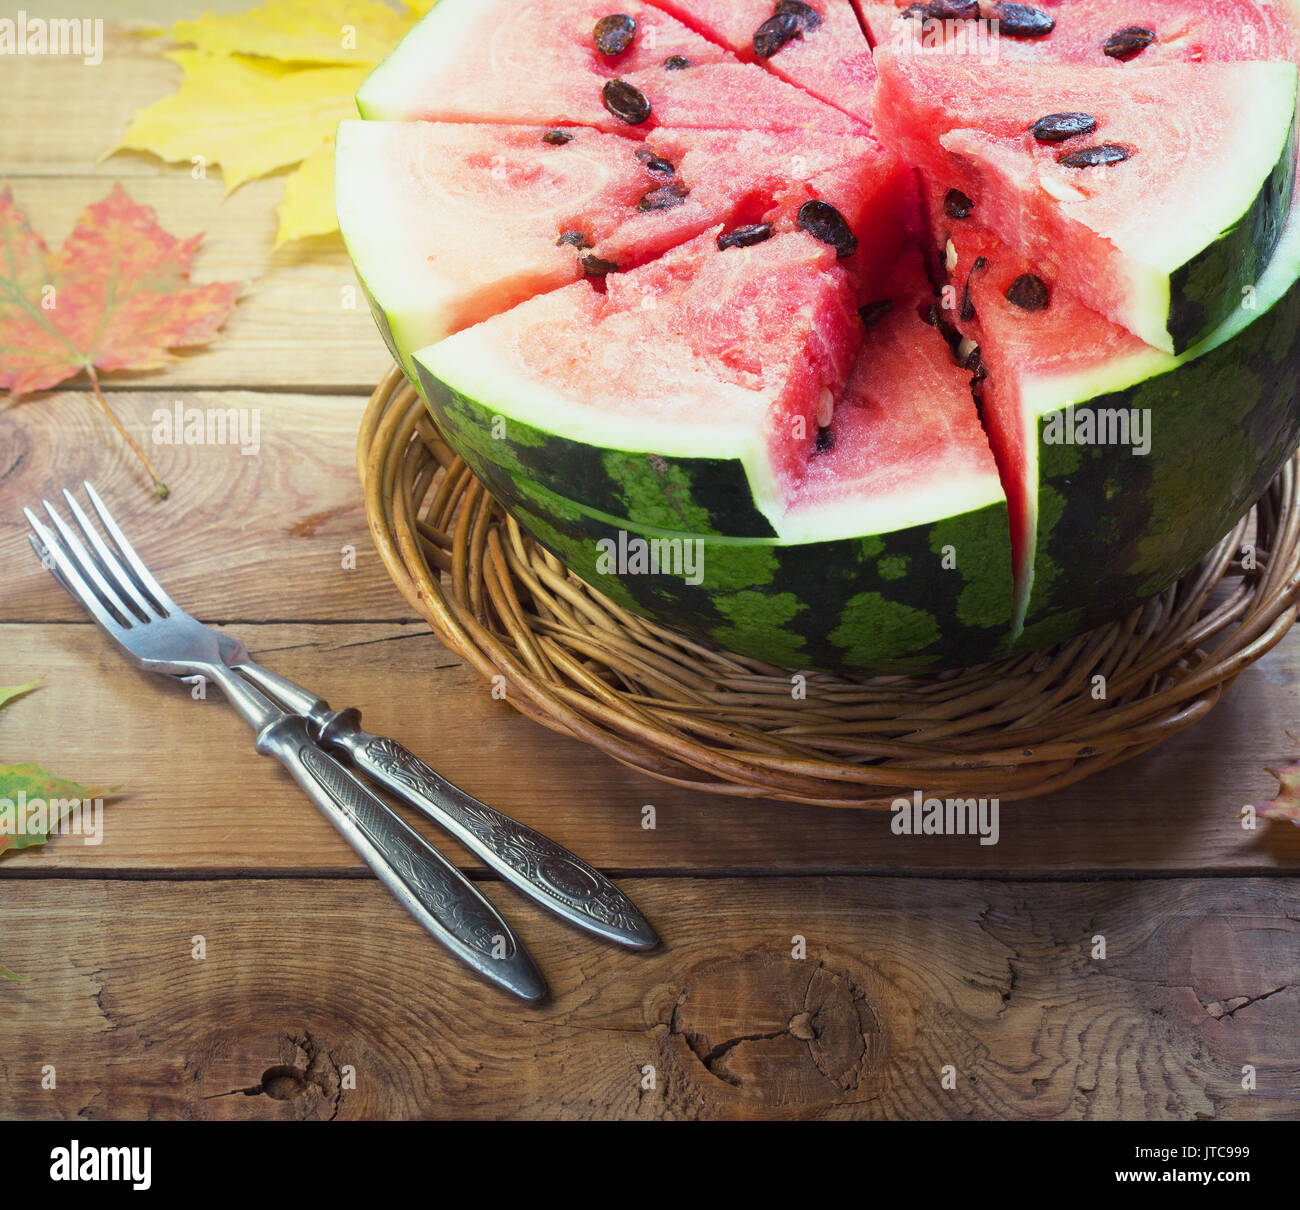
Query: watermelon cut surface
{"points": [[825, 53], [450, 224], [536, 61], [1164, 240], [879, 386]]}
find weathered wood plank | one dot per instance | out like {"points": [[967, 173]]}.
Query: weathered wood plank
{"points": [[197, 798], [902, 979], [237, 530]]}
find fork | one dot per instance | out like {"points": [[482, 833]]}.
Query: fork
{"points": [[159, 636]]}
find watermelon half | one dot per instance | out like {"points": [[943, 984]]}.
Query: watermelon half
{"points": [[776, 365]]}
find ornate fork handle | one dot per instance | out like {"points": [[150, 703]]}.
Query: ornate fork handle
{"points": [[537, 865]]}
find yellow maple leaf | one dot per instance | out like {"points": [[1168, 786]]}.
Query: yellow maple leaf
{"points": [[250, 116], [264, 91], [311, 31], [308, 206]]}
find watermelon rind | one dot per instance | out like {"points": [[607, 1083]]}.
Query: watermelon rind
{"points": [[1115, 527], [924, 597]]}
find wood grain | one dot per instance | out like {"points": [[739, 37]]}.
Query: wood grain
{"points": [[901, 978], [237, 528], [99, 721]]}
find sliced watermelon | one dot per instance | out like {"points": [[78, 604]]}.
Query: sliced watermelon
{"points": [[1214, 144], [450, 224], [725, 358], [1059, 388], [1137, 35], [818, 45], [892, 552], [537, 62]]}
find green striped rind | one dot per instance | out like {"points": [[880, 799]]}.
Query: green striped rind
{"points": [[928, 597], [1206, 290], [1116, 529], [695, 495]]}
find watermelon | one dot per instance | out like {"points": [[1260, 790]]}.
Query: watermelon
{"points": [[538, 61], [415, 200], [817, 46], [892, 550], [836, 406], [1055, 159]]}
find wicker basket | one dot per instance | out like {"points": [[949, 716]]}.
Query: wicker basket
{"points": [[581, 665]]}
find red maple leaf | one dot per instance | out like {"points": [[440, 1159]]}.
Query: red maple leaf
{"points": [[116, 296]]}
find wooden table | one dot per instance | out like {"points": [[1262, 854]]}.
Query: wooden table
{"points": [[316, 997]]}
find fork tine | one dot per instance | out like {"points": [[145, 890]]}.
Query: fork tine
{"points": [[109, 593], [67, 573], [143, 576], [108, 561]]}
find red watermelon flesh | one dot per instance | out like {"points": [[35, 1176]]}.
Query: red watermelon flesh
{"points": [[1187, 31], [1084, 226], [830, 56], [904, 427], [495, 214], [1023, 353], [536, 61], [738, 353]]}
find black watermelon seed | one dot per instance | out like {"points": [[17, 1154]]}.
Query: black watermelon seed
{"points": [[776, 32], [626, 102], [557, 138], [874, 312], [676, 63], [655, 163], [825, 441], [1029, 293], [597, 267], [745, 237], [957, 205], [967, 311], [663, 198], [808, 17], [1022, 20], [822, 221], [914, 11], [575, 239], [1129, 41], [953, 10], [1057, 127], [614, 34], [1095, 157], [975, 364]]}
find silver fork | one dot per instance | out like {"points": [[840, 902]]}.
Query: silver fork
{"points": [[159, 636]]}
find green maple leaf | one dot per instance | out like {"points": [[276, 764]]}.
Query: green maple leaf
{"points": [[30, 782]]}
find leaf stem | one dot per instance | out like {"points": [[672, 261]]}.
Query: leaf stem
{"points": [[158, 485]]}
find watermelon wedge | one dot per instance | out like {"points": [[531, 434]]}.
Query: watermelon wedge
{"points": [[890, 551], [417, 200], [539, 62], [817, 45], [726, 360], [1101, 33], [1090, 424], [1056, 159]]}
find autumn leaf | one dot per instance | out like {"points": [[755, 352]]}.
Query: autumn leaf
{"points": [[116, 296], [308, 207], [264, 91], [310, 31], [1286, 806], [251, 117], [29, 784]]}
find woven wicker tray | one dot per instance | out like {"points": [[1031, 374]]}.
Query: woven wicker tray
{"points": [[577, 663]]}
